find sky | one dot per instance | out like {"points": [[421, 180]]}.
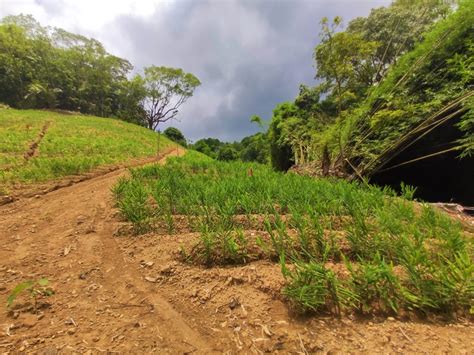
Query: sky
{"points": [[248, 54]]}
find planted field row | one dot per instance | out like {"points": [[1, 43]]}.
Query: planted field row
{"points": [[72, 144], [342, 246]]}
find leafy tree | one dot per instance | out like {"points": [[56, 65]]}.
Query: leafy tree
{"points": [[42, 67], [255, 148], [257, 120], [227, 153], [175, 135], [28, 23], [166, 90], [343, 61], [16, 69], [208, 146], [202, 147], [130, 95], [280, 151], [397, 28], [252, 148]]}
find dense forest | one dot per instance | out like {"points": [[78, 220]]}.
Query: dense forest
{"points": [[44, 67], [379, 79]]}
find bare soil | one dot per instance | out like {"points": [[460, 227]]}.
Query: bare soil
{"points": [[122, 293]]}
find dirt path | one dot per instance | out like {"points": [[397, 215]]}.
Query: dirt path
{"points": [[132, 295], [101, 303]]}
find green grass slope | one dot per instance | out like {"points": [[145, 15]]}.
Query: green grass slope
{"points": [[72, 144]]}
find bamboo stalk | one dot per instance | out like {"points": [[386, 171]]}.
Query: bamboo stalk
{"points": [[421, 158], [427, 123], [401, 141]]}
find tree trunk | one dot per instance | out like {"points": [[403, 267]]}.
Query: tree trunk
{"points": [[326, 162]]}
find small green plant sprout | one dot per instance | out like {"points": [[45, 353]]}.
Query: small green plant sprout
{"points": [[34, 289], [407, 191]]}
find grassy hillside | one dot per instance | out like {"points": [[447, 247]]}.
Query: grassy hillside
{"points": [[71, 144], [342, 246]]}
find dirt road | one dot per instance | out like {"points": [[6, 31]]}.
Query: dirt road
{"points": [[100, 302], [131, 294]]}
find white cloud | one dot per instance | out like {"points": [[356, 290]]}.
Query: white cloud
{"points": [[87, 17], [91, 18]]}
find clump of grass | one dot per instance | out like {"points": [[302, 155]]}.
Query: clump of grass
{"points": [[312, 286], [376, 285], [445, 286], [224, 247], [133, 204]]}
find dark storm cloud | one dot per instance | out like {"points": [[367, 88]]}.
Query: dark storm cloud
{"points": [[249, 55]]}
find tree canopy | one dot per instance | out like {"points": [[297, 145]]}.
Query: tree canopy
{"points": [[227, 153], [166, 90], [42, 67], [175, 135]]}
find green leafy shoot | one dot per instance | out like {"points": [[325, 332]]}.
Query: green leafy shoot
{"points": [[34, 289]]}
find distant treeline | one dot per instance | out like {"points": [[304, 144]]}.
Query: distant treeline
{"points": [[43, 67], [251, 148], [50, 68]]}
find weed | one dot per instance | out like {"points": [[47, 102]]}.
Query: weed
{"points": [[407, 191], [219, 248], [134, 205], [34, 289]]}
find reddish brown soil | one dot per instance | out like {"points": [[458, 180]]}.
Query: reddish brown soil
{"points": [[116, 293]]}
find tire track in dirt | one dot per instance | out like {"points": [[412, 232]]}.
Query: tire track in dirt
{"points": [[101, 302]]}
